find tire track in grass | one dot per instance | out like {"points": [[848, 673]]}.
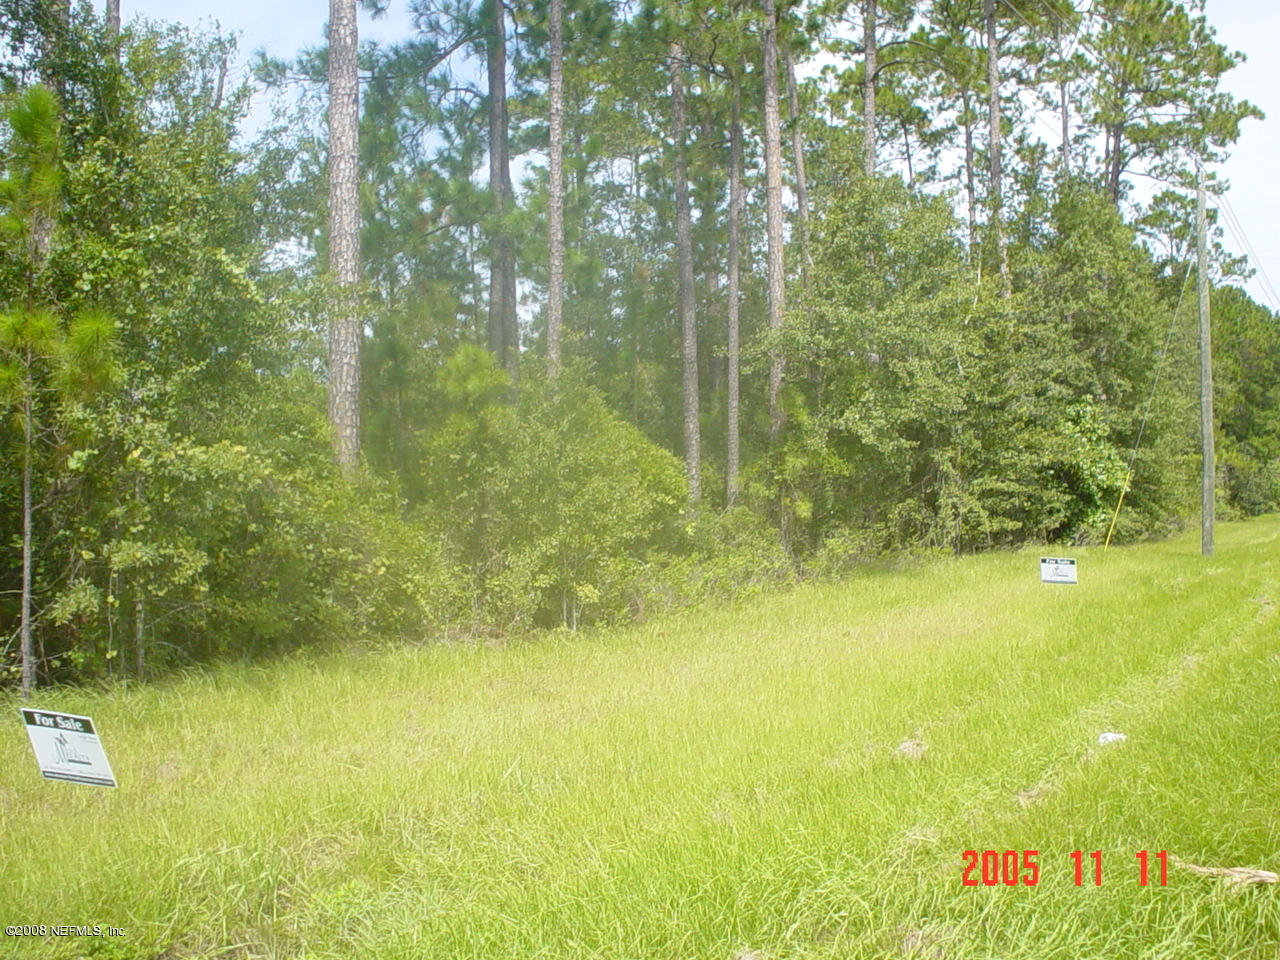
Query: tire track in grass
{"points": [[1058, 742], [1181, 783], [1144, 705], [920, 854], [876, 868], [1144, 699]]}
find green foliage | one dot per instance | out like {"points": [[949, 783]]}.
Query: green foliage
{"points": [[192, 511], [1247, 401], [245, 546], [31, 192], [77, 358], [721, 557], [551, 503], [1157, 94], [162, 320], [949, 415]]}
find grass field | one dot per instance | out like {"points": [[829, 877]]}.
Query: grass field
{"points": [[718, 785]]}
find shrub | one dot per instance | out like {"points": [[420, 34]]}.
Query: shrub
{"points": [[550, 503]]}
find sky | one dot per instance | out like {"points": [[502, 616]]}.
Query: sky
{"points": [[1253, 170], [1251, 208]]}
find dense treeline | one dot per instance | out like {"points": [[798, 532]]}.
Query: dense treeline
{"points": [[965, 337]]}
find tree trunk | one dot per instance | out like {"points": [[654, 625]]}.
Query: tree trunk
{"points": [[994, 133], [773, 211], [555, 199], [495, 65], [139, 630], [1115, 161], [684, 258], [28, 651], [906, 149], [113, 17], [1064, 106], [735, 216], [479, 319], [802, 182], [222, 83], [503, 330], [510, 303], [57, 23], [706, 254], [41, 247], [139, 607], [344, 233], [870, 51], [970, 187], [1066, 127]]}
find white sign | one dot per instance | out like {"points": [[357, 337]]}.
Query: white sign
{"points": [[68, 748], [1057, 570]]}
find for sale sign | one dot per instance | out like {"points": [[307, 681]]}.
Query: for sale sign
{"points": [[67, 748], [1057, 570]]}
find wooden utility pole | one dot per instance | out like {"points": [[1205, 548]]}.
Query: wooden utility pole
{"points": [[28, 647], [1207, 484]]}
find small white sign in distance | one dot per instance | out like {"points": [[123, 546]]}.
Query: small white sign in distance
{"points": [[1057, 570], [67, 748]]}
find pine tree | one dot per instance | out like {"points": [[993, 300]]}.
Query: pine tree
{"points": [[344, 233]]}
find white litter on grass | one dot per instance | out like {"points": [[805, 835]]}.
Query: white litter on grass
{"points": [[915, 749], [1105, 738]]}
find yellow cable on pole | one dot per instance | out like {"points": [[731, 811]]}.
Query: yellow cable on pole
{"points": [[1116, 516]]}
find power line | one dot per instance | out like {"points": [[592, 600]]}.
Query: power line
{"points": [[1237, 229], [1076, 35], [1232, 221]]}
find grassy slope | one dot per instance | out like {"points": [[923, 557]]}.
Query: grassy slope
{"points": [[704, 786]]}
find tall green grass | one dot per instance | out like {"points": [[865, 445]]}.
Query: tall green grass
{"points": [[714, 785]]}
